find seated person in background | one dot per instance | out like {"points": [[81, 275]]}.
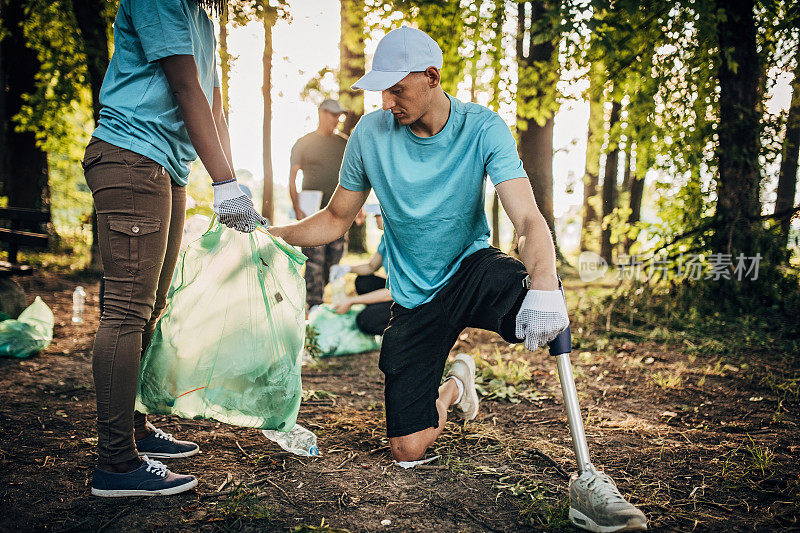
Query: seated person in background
{"points": [[371, 290]]}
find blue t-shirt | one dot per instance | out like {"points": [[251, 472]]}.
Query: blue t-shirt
{"points": [[139, 111], [431, 191]]}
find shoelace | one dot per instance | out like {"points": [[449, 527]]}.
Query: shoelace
{"points": [[161, 435], [606, 490], [156, 467]]}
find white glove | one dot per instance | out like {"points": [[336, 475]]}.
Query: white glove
{"points": [[235, 209], [541, 317], [338, 271]]}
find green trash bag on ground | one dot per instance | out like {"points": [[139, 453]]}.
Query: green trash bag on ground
{"points": [[229, 342], [30, 333], [338, 334]]}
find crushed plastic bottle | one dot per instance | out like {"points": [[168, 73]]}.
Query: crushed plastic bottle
{"points": [[78, 301], [298, 441]]}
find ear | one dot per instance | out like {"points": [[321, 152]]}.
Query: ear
{"points": [[433, 76]]}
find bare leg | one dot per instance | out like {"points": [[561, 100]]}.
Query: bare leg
{"points": [[412, 447]]}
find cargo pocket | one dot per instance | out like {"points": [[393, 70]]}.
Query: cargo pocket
{"points": [[89, 160], [135, 242]]}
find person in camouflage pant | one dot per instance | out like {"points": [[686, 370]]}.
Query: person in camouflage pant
{"points": [[320, 260]]}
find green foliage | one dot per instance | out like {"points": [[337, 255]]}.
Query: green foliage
{"points": [[312, 342], [498, 378], [243, 505]]}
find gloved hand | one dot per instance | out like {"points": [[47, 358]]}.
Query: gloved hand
{"points": [[541, 317], [337, 271], [234, 208]]}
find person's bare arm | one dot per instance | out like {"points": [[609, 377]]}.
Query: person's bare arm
{"points": [[327, 225], [370, 267], [536, 249], [374, 297], [293, 194], [222, 125], [181, 72]]}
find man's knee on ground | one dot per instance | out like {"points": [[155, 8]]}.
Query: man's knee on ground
{"points": [[408, 448]]}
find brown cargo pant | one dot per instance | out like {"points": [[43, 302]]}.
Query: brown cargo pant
{"points": [[140, 215]]}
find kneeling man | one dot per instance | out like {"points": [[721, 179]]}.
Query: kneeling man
{"points": [[426, 155]]}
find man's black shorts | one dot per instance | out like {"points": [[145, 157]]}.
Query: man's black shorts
{"points": [[485, 292]]}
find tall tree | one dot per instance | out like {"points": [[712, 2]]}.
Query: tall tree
{"points": [[636, 194], [352, 62], [351, 68], [225, 60], [93, 20], [269, 17], [594, 145], [538, 26], [787, 180], [738, 130], [27, 178], [4, 118], [609, 192]]}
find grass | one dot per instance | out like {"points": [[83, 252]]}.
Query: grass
{"points": [[243, 505], [761, 458], [311, 394], [785, 388], [667, 380], [547, 508], [504, 379]]}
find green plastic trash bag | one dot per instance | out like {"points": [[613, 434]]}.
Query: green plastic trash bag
{"points": [[338, 334], [229, 342], [30, 333]]}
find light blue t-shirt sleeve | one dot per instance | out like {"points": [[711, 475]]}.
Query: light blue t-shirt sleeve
{"points": [[352, 175], [500, 152], [163, 28]]}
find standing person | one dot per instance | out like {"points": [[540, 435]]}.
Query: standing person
{"points": [[426, 155], [319, 155], [161, 108], [370, 290]]}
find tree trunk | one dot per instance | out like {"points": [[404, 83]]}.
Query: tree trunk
{"points": [[594, 145], [93, 25], [626, 169], [637, 192], [609, 192], [351, 68], [536, 138], [27, 179], [787, 181], [267, 205], [351, 61], [738, 131], [225, 61]]}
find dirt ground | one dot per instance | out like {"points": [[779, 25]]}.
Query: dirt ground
{"points": [[699, 442]]}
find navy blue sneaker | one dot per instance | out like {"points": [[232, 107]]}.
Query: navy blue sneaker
{"points": [[164, 446], [150, 479]]}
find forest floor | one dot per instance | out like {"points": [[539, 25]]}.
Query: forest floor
{"points": [[699, 440]]}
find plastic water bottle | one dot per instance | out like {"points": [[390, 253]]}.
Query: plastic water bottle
{"points": [[78, 301], [338, 291], [338, 283], [298, 441]]}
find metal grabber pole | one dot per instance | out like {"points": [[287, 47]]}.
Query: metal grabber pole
{"points": [[560, 348]]}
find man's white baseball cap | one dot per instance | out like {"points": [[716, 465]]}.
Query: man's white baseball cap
{"points": [[399, 53]]}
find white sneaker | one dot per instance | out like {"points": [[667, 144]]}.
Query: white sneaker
{"points": [[464, 369], [595, 504]]}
